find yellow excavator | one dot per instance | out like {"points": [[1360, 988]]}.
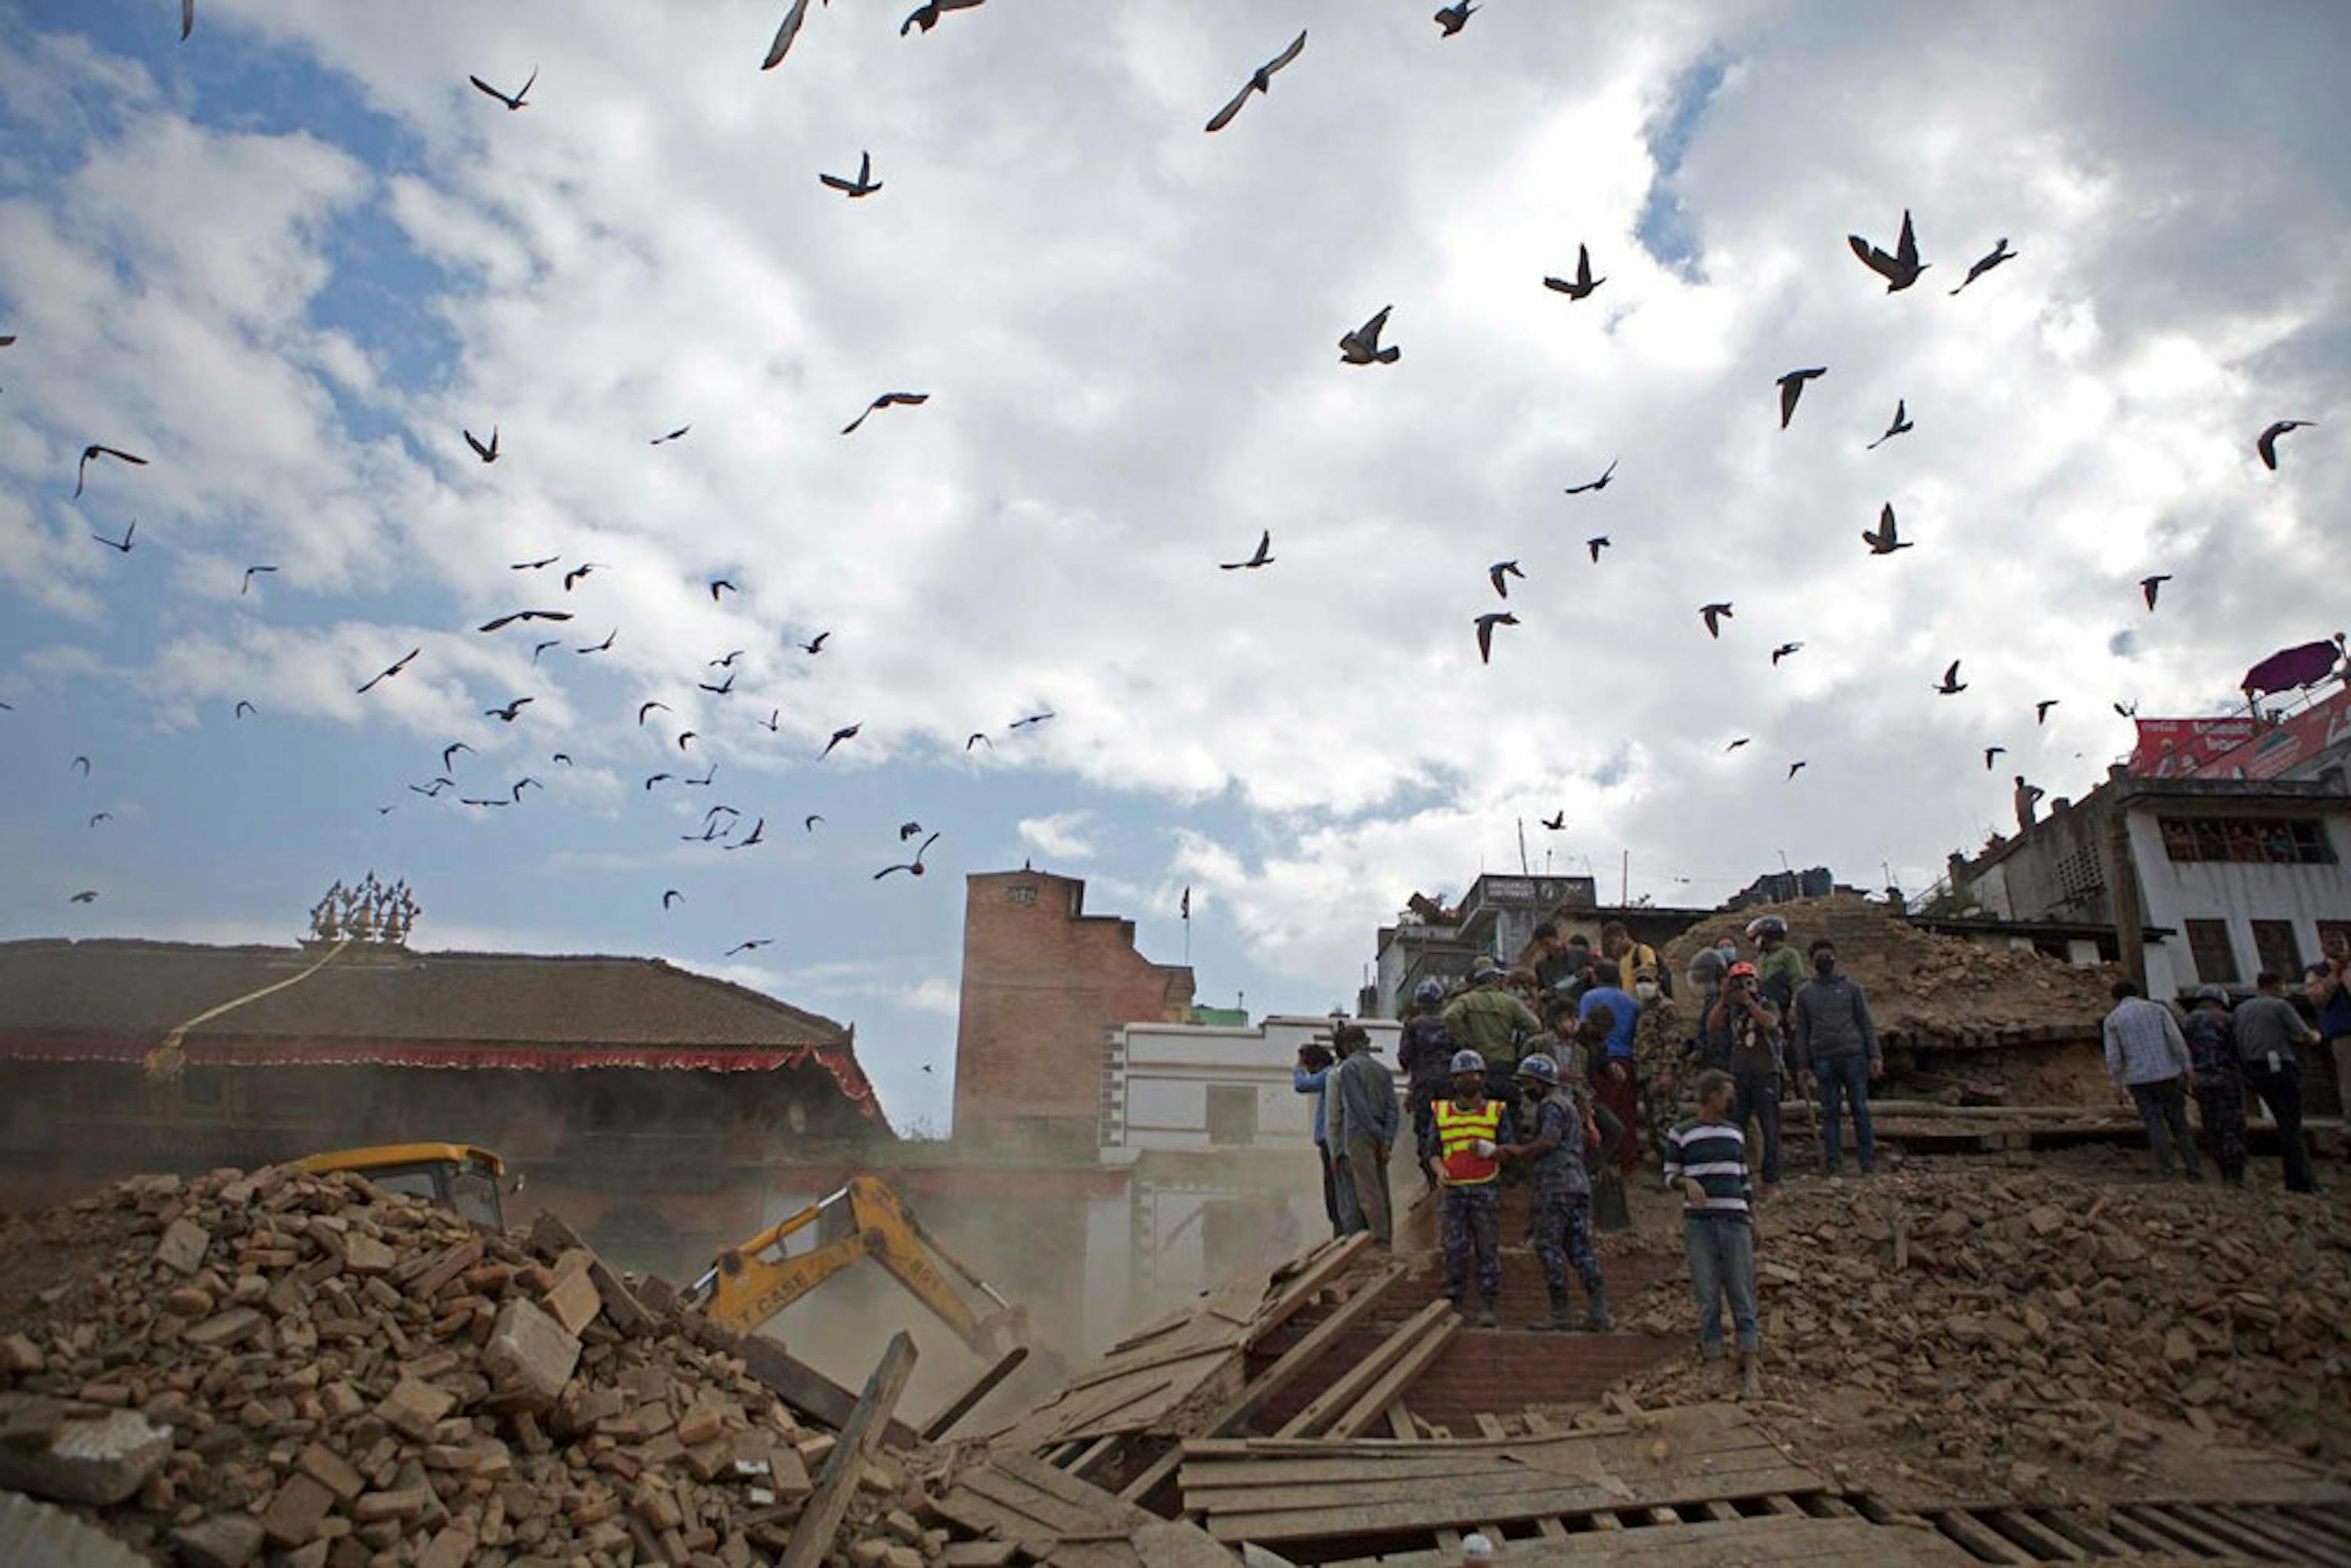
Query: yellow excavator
{"points": [[752, 1282], [462, 1179]]}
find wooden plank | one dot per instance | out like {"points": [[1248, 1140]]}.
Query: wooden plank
{"points": [[1399, 1378], [2330, 1520], [1322, 1265], [2074, 1528], [2043, 1542], [1435, 1463], [1978, 1537], [1538, 1424], [820, 1518], [1490, 1426], [940, 1424], [2271, 1524], [1662, 1516], [2164, 1521], [2248, 1541], [2138, 1537], [1349, 1386], [1091, 1454], [1069, 1489], [1550, 1529], [797, 1384], [1782, 1505], [1400, 1421]]}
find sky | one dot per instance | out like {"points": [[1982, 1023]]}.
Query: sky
{"points": [[290, 260]]}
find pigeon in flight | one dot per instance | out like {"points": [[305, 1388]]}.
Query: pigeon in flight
{"points": [[785, 35], [82, 764], [520, 783], [187, 18], [432, 792], [87, 895], [389, 671], [242, 709], [849, 733], [123, 544], [775, 718], [915, 865], [1714, 615], [1599, 484], [520, 96], [1991, 258], [573, 576], [2041, 710], [728, 662], [538, 648], [449, 755], [863, 185], [533, 565], [1499, 574], [725, 688], [1451, 19], [1901, 425], [98, 817], [1362, 346], [908, 829], [604, 647], [1783, 650], [249, 571], [887, 400], [1884, 541], [758, 835], [752, 945], [509, 713], [1951, 684], [977, 737], [1264, 556], [644, 708], [672, 896], [1901, 269], [653, 778], [1792, 387], [82, 470], [1595, 544], [673, 435], [814, 644], [808, 823], [562, 756], [1582, 283], [685, 736], [926, 15], [1260, 80], [1990, 752], [1486, 624], [486, 453], [1735, 745], [719, 585], [2150, 586], [1557, 824], [501, 622], [1794, 768], [1033, 718], [2265, 443]]}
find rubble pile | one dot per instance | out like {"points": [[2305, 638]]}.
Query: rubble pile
{"points": [[1918, 981], [1994, 1325], [314, 1370]]}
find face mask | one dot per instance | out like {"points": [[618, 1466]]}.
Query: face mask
{"points": [[1824, 965], [1646, 989]]}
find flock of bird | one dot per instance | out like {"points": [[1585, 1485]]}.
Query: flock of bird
{"points": [[1901, 269]]}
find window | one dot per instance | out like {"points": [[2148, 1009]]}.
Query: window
{"points": [[1023, 892], [2331, 932], [2207, 943], [2277, 840], [1232, 1116], [2275, 947]]}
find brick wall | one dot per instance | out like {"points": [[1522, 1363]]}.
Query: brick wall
{"points": [[1043, 980]]}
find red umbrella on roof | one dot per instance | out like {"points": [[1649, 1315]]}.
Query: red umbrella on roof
{"points": [[2292, 667]]}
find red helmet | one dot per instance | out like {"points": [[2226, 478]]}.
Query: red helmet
{"points": [[1741, 967]]}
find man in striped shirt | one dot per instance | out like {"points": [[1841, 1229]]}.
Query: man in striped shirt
{"points": [[1707, 1160]]}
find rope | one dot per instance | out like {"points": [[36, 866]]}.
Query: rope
{"points": [[164, 1063]]}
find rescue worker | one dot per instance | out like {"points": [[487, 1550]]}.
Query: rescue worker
{"points": [[1469, 1137], [2211, 1037], [1424, 1052], [1490, 1020], [1779, 970], [1626, 956], [1559, 1216]]}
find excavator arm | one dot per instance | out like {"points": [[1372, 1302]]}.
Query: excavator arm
{"points": [[752, 1282]]}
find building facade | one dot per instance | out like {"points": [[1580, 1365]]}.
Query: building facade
{"points": [[1496, 918]]}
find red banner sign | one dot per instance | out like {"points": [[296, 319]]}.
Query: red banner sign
{"points": [[2298, 740], [2174, 748]]}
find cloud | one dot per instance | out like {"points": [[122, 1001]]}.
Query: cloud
{"points": [[1061, 834]]}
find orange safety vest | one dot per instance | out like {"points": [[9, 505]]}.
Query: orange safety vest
{"points": [[1456, 1129]]}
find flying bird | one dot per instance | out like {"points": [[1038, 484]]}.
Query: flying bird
{"points": [[1794, 768], [814, 644], [758, 835], [774, 716], [523, 781], [486, 453], [785, 35], [720, 585], [98, 817], [863, 185], [1714, 615], [1582, 283], [1951, 685], [708, 774], [2041, 710], [887, 400], [1792, 387], [1451, 19], [1990, 752], [249, 571], [915, 865], [501, 622], [2130, 711], [1362, 346], [82, 470], [977, 737], [727, 661], [2150, 586], [538, 648], [1886, 541], [1555, 824], [1260, 80], [757, 942], [394, 668], [449, 755], [123, 544], [1783, 650], [534, 565], [82, 764], [1901, 425], [1991, 258], [509, 713], [2265, 443], [926, 15], [578, 572], [87, 895], [1264, 556], [723, 689], [1901, 269], [432, 792], [187, 18], [671, 896], [1486, 624], [242, 709], [1599, 484], [516, 102], [839, 736], [673, 435], [686, 736], [1595, 544], [653, 778], [1735, 745], [562, 756], [808, 823], [1499, 573], [1033, 718], [908, 829], [644, 708]]}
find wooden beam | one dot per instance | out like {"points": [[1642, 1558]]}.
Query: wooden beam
{"points": [[1349, 1386], [798, 1384], [2046, 1545], [821, 1520], [1398, 1378], [1400, 1421], [940, 1424], [1326, 1262], [1980, 1540], [2162, 1521], [2252, 1543]]}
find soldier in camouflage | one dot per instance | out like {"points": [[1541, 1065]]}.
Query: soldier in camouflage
{"points": [[1560, 1214]]}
